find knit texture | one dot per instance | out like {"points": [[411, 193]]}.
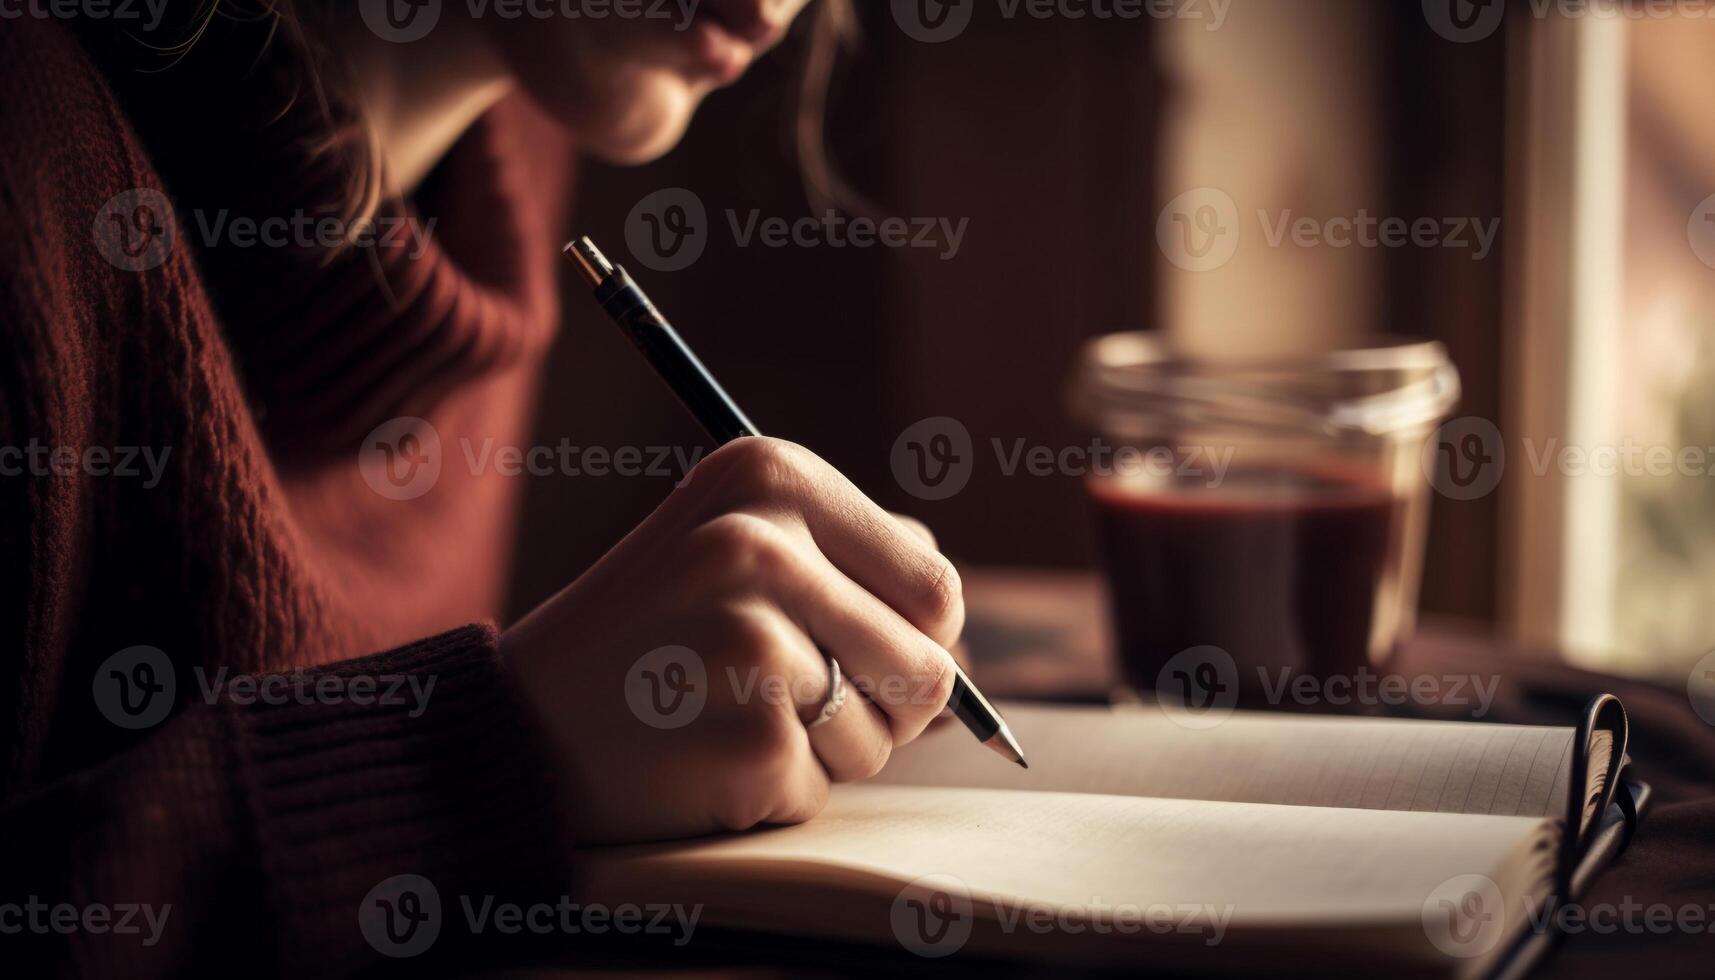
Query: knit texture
{"points": [[253, 375]]}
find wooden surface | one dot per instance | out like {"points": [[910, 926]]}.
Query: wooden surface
{"points": [[1046, 635]]}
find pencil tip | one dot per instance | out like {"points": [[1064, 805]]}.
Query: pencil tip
{"points": [[1006, 746], [1003, 745]]}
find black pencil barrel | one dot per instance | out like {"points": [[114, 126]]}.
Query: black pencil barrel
{"points": [[673, 360]]}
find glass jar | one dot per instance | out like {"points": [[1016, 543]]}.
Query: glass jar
{"points": [[1272, 510]]}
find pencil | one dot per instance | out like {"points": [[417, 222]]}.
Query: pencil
{"points": [[721, 417]]}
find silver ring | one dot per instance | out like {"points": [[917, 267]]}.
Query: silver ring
{"points": [[836, 695]]}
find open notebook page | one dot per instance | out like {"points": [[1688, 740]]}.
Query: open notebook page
{"points": [[1250, 757], [1270, 868]]}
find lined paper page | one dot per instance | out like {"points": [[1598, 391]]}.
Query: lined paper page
{"points": [[1250, 757]]}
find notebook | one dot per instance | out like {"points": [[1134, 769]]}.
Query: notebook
{"points": [[1423, 847]]}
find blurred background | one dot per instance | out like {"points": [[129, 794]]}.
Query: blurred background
{"points": [[1057, 138]]}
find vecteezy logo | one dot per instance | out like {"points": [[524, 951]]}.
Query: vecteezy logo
{"points": [[1464, 916], [932, 915], [668, 230], [134, 229], [667, 687], [1700, 687], [135, 687], [1465, 458], [1198, 231], [401, 458], [1700, 231], [1463, 21], [400, 21], [401, 916], [1199, 687], [933, 21], [932, 459]]}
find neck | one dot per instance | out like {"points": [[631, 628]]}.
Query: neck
{"points": [[420, 97]]}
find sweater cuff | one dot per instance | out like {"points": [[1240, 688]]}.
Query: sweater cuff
{"points": [[418, 770]]}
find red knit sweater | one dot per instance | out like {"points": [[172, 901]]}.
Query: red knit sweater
{"points": [[252, 374]]}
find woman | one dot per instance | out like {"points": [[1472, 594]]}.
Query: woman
{"points": [[243, 243]]}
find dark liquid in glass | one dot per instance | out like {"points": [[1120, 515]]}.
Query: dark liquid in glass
{"points": [[1278, 567]]}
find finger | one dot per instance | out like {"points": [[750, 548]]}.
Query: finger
{"points": [[856, 740], [906, 675], [764, 769], [918, 528], [804, 791], [775, 776], [864, 541]]}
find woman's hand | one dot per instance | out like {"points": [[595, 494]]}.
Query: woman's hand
{"points": [[676, 677]]}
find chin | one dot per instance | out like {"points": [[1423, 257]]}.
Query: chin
{"points": [[646, 128], [632, 122]]}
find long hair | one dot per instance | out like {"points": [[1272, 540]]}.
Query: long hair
{"points": [[258, 70], [835, 30]]}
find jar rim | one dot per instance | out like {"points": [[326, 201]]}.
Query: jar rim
{"points": [[1386, 386]]}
